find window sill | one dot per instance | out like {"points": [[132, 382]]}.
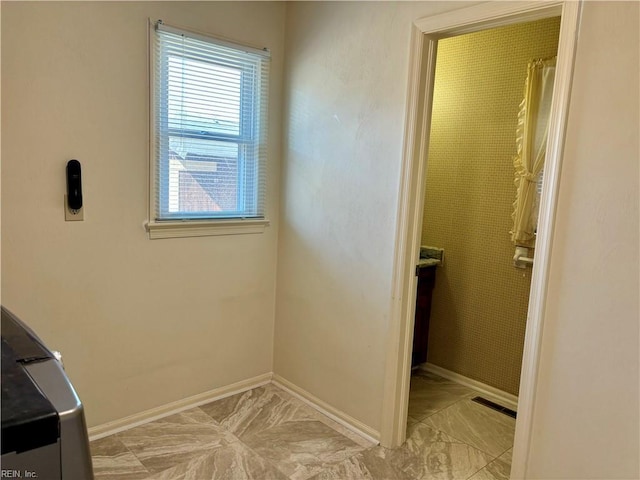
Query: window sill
{"points": [[204, 228]]}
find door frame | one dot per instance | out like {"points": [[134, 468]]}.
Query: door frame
{"points": [[422, 62]]}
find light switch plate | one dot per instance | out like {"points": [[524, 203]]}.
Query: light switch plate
{"points": [[72, 215]]}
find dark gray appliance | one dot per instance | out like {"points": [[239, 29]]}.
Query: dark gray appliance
{"points": [[44, 434]]}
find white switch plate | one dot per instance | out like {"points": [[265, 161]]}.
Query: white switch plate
{"points": [[72, 215]]}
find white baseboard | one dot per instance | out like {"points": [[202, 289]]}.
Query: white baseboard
{"points": [[156, 413], [503, 398], [333, 413], [162, 411]]}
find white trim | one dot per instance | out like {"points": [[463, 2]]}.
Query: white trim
{"points": [[164, 27], [503, 398], [567, 44], [324, 408], [162, 411], [137, 419], [425, 33], [195, 227], [151, 154], [407, 242], [202, 228], [487, 15]]}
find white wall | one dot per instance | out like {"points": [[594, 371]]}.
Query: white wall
{"points": [[345, 85], [346, 78], [135, 334], [586, 410], [140, 323]]}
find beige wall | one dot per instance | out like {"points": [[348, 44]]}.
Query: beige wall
{"points": [[586, 412], [140, 323], [479, 309], [346, 77], [345, 81], [100, 288]]}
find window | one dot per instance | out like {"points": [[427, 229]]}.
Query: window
{"points": [[209, 131]]}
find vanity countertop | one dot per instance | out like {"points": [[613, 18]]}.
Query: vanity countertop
{"points": [[430, 256], [428, 262]]}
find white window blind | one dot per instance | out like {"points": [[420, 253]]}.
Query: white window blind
{"points": [[210, 127]]}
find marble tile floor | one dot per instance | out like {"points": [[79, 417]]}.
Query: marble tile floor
{"points": [[267, 434]]}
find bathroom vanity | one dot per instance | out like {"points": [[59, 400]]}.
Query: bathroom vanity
{"points": [[430, 258]]}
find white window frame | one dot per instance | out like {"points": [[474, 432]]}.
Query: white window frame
{"points": [[187, 226]]}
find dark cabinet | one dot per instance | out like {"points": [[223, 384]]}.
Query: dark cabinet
{"points": [[426, 282]]}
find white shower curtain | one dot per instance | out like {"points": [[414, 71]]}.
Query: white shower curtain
{"points": [[531, 139]]}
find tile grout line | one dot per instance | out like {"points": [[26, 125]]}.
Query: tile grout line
{"points": [[211, 422], [491, 455], [474, 473], [322, 466], [442, 409], [492, 461], [236, 439], [266, 460], [466, 397], [117, 437], [226, 429], [294, 403], [111, 457]]}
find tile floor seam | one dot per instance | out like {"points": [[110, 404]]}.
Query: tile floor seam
{"points": [[149, 473], [321, 417], [117, 435], [497, 459], [290, 401], [335, 464], [322, 463], [486, 459], [477, 471], [491, 455], [504, 452], [291, 476], [266, 459], [206, 454], [480, 408], [172, 467], [213, 420], [220, 435], [118, 456], [441, 410], [227, 429]]}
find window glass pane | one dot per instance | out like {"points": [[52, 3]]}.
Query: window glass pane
{"points": [[210, 124], [203, 97], [203, 176]]}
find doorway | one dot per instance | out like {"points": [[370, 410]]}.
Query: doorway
{"points": [[471, 322], [425, 35]]}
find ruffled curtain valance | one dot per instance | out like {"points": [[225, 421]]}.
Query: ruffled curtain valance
{"points": [[531, 140]]}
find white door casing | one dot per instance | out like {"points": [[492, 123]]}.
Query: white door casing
{"points": [[422, 61]]}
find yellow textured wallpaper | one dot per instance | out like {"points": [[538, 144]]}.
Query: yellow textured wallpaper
{"points": [[479, 309]]}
